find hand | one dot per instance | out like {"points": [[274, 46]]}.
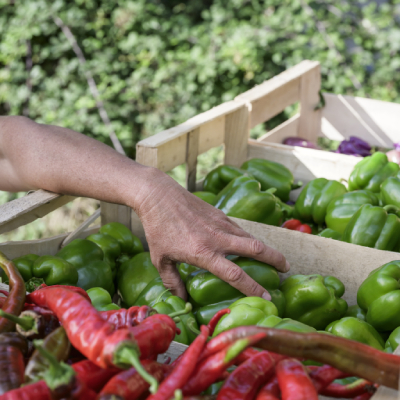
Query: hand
{"points": [[180, 227]]}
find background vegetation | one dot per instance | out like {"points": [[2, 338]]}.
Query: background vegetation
{"points": [[156, 63]]}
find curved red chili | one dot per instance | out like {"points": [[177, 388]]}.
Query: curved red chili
{"points": [[356, 388], [325, 375], [215, 319], [14, 302], [294, 382], [38, 296], [244, 382], [183, 370], [270, 391], [124, 318], [38, 391]]}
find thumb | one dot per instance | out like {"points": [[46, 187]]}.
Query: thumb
{"points": [[171, 279]]}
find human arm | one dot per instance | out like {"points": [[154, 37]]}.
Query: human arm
{"points": [[178, 225]]}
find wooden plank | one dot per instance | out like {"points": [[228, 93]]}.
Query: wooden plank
{"points": [[192, 151], [174, 351], [309, 254], [41, 247], [310, 119], [274, 95], [115, 213], [305, 164], [375, 121], [168, 148], [288, 128], [26, 209], [237, 132]]}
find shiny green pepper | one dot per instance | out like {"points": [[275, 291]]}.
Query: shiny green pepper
{"points": [[312, 204], [330, 234], [357, 312], [81, 252], [243, 199], [101, 299], [286, 323], [221, 176], [371, 171], [55, 271], [314, 300], [341, 209], [393, 341], [355, 329], [133, 277], [24, 265], [379, 297], [205, 288], [246, 311], [374, 227], [185, 270], [204, 314], [271, 175], [208, 197], [155, 291], [130, 244], [390, 191]]}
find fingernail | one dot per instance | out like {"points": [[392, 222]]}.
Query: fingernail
{"points": [[287, 266], [266, 296]]}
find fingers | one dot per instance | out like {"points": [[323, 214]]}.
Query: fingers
{"points": [[171, 279], [236, 277], [251, 247]]}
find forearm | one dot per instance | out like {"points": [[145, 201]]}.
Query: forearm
{"points": [[34, 156]]}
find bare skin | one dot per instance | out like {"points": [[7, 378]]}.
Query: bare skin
{"points": [[178, 225]]}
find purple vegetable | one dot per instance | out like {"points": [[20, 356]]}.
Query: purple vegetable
{"points": [[300, 142], [394, 155], [355, 147]]}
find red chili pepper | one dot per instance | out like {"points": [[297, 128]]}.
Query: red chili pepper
{"points": [[270, 391], [325, 375], [210, 369], [297, 225], [38, 296], [350, 390], [244, 382], [14, 303], [124, 318], [92, 375], [215, 319], [250, 352], [38, 391], [183, 370], [13, 348], [294, 381], [129, 384]]}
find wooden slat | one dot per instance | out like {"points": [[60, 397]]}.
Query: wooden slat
{"points": [[288, 128], [192, 152], [375, 121], [310, 119], [309, 254], [26, 209], [115, 213], [305, 164], [274, 95], [167, 149], [237, 131], [41, 247]]}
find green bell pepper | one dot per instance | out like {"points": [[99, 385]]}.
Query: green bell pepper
{"points": [[390, 191], [81, 252], [379, 297], [312, 204], [110, 247], [271, 175], [341, 210], [393, 341], [134, 275], [330, 234], [374, 227], [243, 199], [286, 323], [185, 270], [101, 299], [219, 177], [371, 171], [205, 288], [155, 291], [96, 274], [208, 197], [130, 244], [314, 300], [24, 265], [204, 314], [355, 329], [269, 322], [55, 271], [165, 308], [246, 311], [357, 312]]}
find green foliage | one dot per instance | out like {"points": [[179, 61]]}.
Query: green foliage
{"points": [[159, 62]]}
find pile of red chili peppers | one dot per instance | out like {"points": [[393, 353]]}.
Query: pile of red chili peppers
{"points": [[55, 345]]}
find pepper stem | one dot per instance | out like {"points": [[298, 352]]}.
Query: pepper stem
{"points": [[178, 394], [186, 310], [128, 355], [26, 323], [190, 324], [161, 295], [391, 209]]}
